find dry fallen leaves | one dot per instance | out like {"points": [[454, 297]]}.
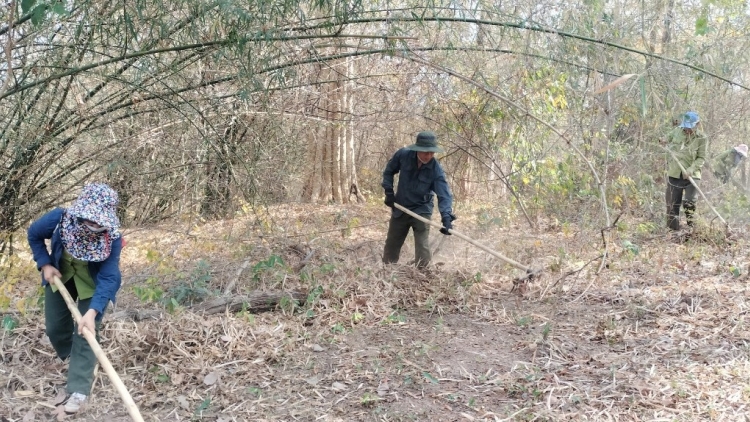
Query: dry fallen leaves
{"points": [[183, 402], [383, 387], [23, 393], [59, 413], [642, 313], [211, 378]]}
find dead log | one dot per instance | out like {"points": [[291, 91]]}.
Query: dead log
{"points": [[254, 303], [136, 314]]}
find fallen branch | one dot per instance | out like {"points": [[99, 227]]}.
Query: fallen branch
{"points": [[606, 245], [568, 274], [302, 264], [230, 285]]}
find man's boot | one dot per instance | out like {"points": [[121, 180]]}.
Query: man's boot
{"points": [[673, 222]]}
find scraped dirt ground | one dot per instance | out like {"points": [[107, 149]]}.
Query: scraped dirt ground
{"points": [[659, 334]]}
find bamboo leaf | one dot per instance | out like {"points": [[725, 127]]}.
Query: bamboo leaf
{"points": [[59, 9], [9, 323], [617, 82], [701, 25], [38, 14], [26, 5], [430, 377], [205, 404]]}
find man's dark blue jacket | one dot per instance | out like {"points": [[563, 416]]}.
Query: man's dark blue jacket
{"points": [[417, 186]]}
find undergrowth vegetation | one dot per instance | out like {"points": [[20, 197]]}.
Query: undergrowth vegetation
{"points": [[373, 342]]}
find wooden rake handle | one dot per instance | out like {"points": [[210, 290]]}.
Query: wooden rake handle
{"points": [[91, 339], [468, 239]]}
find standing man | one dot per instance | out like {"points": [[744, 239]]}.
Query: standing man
{"points": [[688, 145], [725, 162], [420, 178]]}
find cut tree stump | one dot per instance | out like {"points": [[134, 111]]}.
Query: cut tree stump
{"points": [[254, 303]]}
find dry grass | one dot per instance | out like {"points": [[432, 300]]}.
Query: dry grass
{"points": [[657, 335]]}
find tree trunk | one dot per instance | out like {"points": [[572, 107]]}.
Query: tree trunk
{"points": [[217, 199], [334, 122], [352, 184], [312, 185], [668, 17], [334, 171]]}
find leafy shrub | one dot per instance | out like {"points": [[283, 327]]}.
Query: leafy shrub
{"points": [[193, 290]]}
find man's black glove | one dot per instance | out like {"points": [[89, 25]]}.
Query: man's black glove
{"points": [[390, 198], [447, 223]]}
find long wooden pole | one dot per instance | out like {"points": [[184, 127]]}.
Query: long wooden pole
{"points": [[466, 238], [103, 360]]}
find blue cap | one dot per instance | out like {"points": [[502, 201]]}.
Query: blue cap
{"points": [[689, 120]]}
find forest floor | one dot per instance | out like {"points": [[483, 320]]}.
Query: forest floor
{"points": [[658, 333]]}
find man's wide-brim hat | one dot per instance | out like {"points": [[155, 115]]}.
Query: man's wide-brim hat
{"points": [[426, 142]]}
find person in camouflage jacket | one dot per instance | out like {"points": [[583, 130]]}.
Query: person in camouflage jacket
{"points": [[725, 163], [688, 145]]}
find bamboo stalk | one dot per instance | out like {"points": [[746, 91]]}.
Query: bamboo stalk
{"points": [[103, 360], [466, 238]]}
